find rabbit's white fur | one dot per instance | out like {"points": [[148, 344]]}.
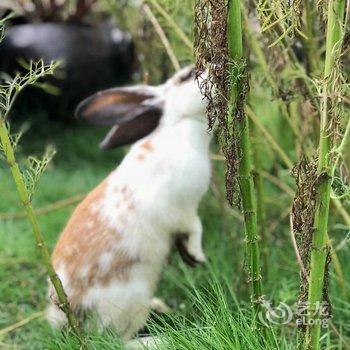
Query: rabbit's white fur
{"points": [[152, 195]]}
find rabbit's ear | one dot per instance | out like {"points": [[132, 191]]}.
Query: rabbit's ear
{"points": [[114, 106], [143, 123], [134, 112]]}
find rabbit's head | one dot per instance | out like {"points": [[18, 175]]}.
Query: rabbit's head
{"points": [[136, 111], [183, 98]]}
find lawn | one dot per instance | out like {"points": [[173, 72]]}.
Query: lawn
{"points": [[210, 304]]}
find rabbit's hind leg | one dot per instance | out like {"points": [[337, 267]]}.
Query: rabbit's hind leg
{"points": [[123, 307], [159, 306]]}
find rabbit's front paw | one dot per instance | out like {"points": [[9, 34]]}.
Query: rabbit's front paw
{"points": [[159, 306], [191, 254]]}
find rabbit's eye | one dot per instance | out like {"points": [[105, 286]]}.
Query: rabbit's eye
{"points": [[189, 75]]}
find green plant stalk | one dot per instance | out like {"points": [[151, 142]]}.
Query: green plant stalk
{"points": [[245, 176], [260, 198], [250, 212], [26, 202], [337, 204], [335, 14]]}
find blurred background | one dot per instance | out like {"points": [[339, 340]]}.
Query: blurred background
{"points": [[100, 44]]}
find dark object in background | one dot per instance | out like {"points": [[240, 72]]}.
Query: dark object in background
{"points": [[93, 58]]}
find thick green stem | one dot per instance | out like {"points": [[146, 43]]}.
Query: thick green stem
{"points": [[250, 213], [246, 184], [288, 162], [26, 202], [319, 250], [260, 197]]}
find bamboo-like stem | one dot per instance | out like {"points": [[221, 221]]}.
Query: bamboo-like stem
{"points": [[26, 202], [245, 176], [335, 15], [260, 198], [284, 157]]}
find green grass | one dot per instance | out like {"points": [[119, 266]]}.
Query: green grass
{"points": [[210, 303]]}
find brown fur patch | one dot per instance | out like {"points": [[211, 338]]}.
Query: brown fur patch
{"points": [[126, 192], [141, 157], [83, 241], [147, 145]]}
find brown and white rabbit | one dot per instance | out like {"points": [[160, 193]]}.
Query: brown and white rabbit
{"points": [[110, 255]]}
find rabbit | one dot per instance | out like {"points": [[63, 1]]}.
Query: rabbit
{"points": [[111, 253]]}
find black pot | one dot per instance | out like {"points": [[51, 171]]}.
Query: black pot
{"points": [[93, 58]]}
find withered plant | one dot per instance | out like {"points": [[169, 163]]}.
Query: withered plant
{"points": [[314, 109], [331, 94], [311, 97], [219, 49]]}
